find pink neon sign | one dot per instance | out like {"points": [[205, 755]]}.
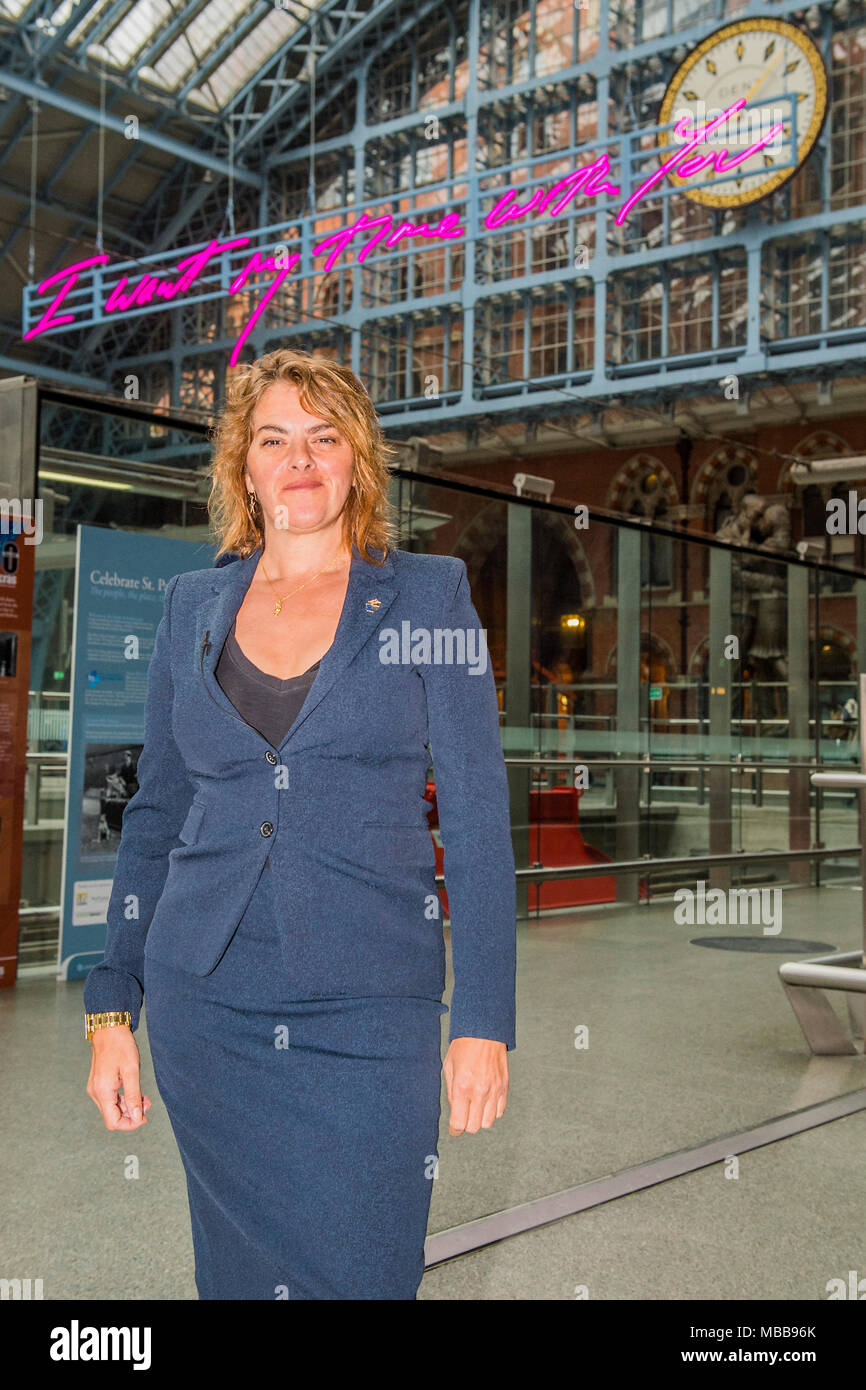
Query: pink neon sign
{"points": [[588, 181]]}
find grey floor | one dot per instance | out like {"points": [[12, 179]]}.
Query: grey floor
{"points": [[684, 1044]]}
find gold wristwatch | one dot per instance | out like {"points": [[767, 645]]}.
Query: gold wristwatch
{"points": [[109, 1020]]}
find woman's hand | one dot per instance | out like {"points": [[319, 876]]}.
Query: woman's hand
{"points": [[476, 1078], [115, 1062]]}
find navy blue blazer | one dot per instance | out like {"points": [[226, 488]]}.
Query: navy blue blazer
{"points": [[338, 808]]}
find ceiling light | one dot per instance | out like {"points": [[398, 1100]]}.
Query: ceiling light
{"points": [[87, 482]]}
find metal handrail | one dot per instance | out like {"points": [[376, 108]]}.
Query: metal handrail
{"points": [[804, 980], [650, 865], [669, 766]]}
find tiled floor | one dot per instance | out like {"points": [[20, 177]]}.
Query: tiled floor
{"points": [[684, 1044]]}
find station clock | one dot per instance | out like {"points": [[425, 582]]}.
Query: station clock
{"points": [[779, 70]]}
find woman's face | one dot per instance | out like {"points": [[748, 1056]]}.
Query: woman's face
{"points": [[299, 465]]}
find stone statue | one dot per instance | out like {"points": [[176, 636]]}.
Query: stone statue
{"points": [[761, 615]]}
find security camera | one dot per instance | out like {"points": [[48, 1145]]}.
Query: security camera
{"points": [[527, 485]]}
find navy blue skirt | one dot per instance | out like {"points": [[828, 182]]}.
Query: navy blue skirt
{"points": [[308, 1129]]}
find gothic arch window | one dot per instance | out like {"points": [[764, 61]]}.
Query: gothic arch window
{"points": [[837, 681], [487, 528], [654, 650], [644, 479], [699, 660], [812, 500], [658, 668], [820, 444], [644, 487], [722, 482], [566, 584], [837, 656]]}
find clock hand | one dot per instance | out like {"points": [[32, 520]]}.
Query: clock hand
{"points": [[764, 75], [756, 84]]}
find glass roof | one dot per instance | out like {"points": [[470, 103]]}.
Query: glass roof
{"points": [[150, 29]]}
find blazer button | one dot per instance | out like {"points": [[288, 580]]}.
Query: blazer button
{"points": [[266, 828], [271, 757]]}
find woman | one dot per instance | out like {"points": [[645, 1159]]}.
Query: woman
{"points": [[274, 896]]}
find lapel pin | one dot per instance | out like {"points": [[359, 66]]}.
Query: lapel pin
{"points": [[372, 604]]}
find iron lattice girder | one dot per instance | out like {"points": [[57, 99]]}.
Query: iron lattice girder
{"points": [[85, 218], [188, 200], [49, 96], [19, 367], [828, 349], [24, 47], [21, 66], [600, 67], [163, 37], [352, 24], [346, 16], [53, 47], [339, 81], [32, 24], [355, 34], [44, 48], [607, 61], [36, 53], [350, 34], [106, 353], [211, 61], [335, 33], [106, 20]]}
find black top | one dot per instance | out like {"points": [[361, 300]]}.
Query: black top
{"points": [[266, 703]]}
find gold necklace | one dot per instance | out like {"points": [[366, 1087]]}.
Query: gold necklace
{"points": [[280, 601]]}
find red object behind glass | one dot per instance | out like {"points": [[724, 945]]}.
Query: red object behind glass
{"points": [[555, 839]]}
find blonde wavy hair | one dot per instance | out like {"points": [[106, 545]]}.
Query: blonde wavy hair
{"points": [[325, 388]]}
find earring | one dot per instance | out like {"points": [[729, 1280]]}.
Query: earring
{"points": [[251, 503]]}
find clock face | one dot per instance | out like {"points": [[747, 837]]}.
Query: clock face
{"points": [[778, 69]]}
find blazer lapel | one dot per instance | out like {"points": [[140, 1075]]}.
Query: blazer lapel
{"points": [[214, 617], [356, 625], [366, 582]]}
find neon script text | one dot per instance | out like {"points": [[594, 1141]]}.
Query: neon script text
{"points": [[368, 231], [685, 165]]}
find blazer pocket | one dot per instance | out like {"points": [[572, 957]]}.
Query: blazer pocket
{"points": [[191, 826], [404, 844]]}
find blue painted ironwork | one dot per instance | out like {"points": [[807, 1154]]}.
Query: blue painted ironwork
{"points": [[514, 320]]}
